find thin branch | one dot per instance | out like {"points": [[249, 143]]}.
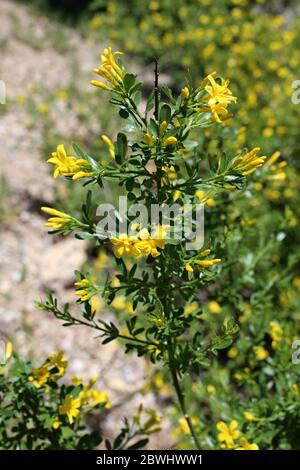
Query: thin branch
{"points": [[156, 89]]}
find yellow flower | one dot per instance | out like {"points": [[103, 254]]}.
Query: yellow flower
{"points": [[207, 263], [295, 389], [276, 334], [125, 245], [56, 423], [43, 108], [232, 353], [59, 362], [8, 350], [248, 163], [148, 139], [219, 97], [202, 263], [261, 353], [39, 376], [149, 245], [90, 396], [83, 292], [110, 71], [185, 93], [228, 434], [205, 198], [70, 407], [211, 389], [143, 245], [60, 219], [245, 445], [96, 303], [183, 427], [110, 145], [249, 416], [95, 22], [162, 127], [170, 140], [273, 159], [153, 420], [68, 165], [189, 268], [76, 380], [214, 307], [170, 174]]}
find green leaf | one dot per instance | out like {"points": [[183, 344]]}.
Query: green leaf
{"points": [[138, 445], [165, 113], [128, 81], [122, 146], [168, 92], [84, 236]]}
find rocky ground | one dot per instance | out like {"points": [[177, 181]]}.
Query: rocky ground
{"points": [[31, 260]]}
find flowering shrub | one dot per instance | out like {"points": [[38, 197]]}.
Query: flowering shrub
{"points": [[245, 41], [188, 328], [39, 413]]}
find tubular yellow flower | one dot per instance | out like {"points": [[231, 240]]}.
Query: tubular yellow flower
{"points": [[8, 350], [110, 71], [162, 127], [60, 219], [205, 252], [70, 407], [228, 434], [207, 263], [219, 97], [68, 165], [109, 144], [248, 163], [189, 268], [170, 140], [84, 291], [245, 445], [185, 93], [148, 139], [273, 159], [101, 85], [202, 263]]}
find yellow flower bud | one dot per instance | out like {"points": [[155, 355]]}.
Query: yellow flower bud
{"points": [[171, 140], [185, 93], [8, 350], [189, 268], [148, 139], [163, 126]]}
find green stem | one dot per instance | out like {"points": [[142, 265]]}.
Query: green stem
{"points": [[180, 394]]}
